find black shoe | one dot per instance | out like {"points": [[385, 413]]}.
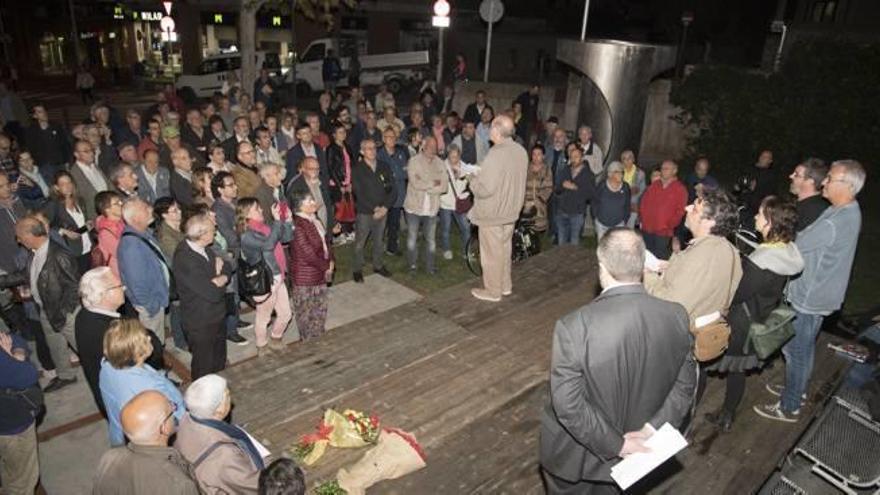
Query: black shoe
{"points": [[58, 384], [722, 419], [243, 325], [237, 339], [382, 271], [358, 277]]}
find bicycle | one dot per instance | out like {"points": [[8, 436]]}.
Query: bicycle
{"points": [[526, 243]]}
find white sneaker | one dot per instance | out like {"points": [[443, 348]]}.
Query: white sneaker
{"points": [[777, 389], [447, 255]]}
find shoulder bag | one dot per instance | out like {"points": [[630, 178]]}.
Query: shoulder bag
{"points": [[769, 336], [710, 341], [254, 280], [462, 206]]}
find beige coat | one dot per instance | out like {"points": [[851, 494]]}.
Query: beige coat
{"points": [[247, 180], [143, 469], [226, 470], [703, 278], [500, 187], [423, 176]]}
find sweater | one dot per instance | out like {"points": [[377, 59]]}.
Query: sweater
{"points": [[662, 207], [574, 202], [15, 417], [611, 208]]}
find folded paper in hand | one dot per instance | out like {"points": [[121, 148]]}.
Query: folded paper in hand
{"points": [[702, 321], [664, 443]]}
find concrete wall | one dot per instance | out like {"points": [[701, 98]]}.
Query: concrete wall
{"points": [[501, 96]]}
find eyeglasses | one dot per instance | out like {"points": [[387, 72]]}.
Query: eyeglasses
{"points": [[170, 414]]}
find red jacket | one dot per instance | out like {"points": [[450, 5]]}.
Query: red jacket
{"points": [[307, 262], [662, 208]]}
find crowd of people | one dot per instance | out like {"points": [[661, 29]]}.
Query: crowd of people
{"points": [[133, 222]]}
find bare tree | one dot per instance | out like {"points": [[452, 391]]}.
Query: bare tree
{"points": [[319, 10]]}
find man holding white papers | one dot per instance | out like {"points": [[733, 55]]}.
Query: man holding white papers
{"points": [[619, 363]]}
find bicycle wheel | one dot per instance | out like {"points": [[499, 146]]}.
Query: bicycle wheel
{"points": [[472, 255]]}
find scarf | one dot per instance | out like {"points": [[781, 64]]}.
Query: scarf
{"points": [[237, 435], [278, 251], [322, 232]]}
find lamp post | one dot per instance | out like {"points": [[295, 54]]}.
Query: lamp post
{"points": [[440, 21], [687, 18]]}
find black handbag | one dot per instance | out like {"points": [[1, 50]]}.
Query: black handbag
{"points": [[254, 280]]}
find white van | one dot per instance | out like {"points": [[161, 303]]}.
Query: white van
{"points": [[214, 71]]}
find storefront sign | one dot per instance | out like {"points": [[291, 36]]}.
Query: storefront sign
{"points": [[273, 21], [219, 18], [148, 15], [117, 13]]}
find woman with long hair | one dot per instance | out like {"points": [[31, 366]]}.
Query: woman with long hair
{"points": [[340, 160], [66, 214], [201, 186], [262, 243], [765, 273]]}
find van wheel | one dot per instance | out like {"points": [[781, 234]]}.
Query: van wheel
{"points": [[188, 95], [395, 86]]}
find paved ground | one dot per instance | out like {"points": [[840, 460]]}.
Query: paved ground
{"points": [[69, 459]]}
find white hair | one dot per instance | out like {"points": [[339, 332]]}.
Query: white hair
{"points": [[196, 226], [130, 208], [93, 285], [205, 395], [854, 173]]}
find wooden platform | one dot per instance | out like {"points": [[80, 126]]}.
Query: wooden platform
{"points": [[469, 378]]}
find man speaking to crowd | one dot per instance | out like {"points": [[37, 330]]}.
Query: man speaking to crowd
{"points": [[499, 192]]}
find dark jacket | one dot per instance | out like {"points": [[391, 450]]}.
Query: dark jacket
{"points": [[336, 168], [199, 144], [181, 189], [15, 415], [472, 113], [609, 207], [307, 261], [808, 210], [9, 247], [620, 362], [108, 159], [126, 135], [202, 303], [59, 218], [163, 184], [225, 215], [575, 202], [48, 146], [58, 282], [296, 155], [372, 189], [89, 330]]}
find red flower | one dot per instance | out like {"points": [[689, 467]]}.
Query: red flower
{"points": [[322, 433], [374, 421]]}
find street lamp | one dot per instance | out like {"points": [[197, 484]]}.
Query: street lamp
{"points": [[687, 17], [440, 21]]}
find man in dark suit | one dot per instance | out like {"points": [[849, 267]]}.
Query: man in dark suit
{"points": [[305, 147], [181, 177], [474, 111], [201, 279], [241, 131], [619, 363]]}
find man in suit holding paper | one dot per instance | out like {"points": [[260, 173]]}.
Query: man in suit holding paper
{"points": [[619, 363]]}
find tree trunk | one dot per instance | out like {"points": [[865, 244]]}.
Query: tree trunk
{"points": [[247, 40]]}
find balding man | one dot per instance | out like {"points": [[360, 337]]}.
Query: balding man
{"points": [[662, 209], [142, 267], [89, 179], [599, 346], [181, 177], [147, 465], [54, 278], [201, 280], [499, 192]]}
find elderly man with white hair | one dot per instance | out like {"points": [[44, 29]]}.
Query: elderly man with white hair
{"points": [[223, 456], [201, 278], [828, 247], [181, 177], [102, 294], [499, 191], [142, 266], [271, 191]]}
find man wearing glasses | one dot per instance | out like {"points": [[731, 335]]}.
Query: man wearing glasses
{"points": [[806, 184], [828, 247]]}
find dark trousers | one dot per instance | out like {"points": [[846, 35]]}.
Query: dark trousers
{"points": [[660, 246], [367, 227], [393, 230], [207, 343], [558, 486]]}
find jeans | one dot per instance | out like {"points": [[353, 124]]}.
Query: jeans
{"points": [[799, 353], [393, 226], [429, 230], [464, 228], [365, 227], [569, 227]]}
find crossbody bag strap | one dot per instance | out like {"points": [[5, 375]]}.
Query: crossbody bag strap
{"points": [[152, 248], [207, 453]]}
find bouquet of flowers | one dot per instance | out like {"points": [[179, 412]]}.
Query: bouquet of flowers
{"points": [[350, 429], [396, 454]]}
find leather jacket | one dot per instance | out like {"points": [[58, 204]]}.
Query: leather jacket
{"points": [[336, 167]]}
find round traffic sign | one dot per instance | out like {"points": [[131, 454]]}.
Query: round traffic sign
{"points": [[491, 10], [167, 24]]}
